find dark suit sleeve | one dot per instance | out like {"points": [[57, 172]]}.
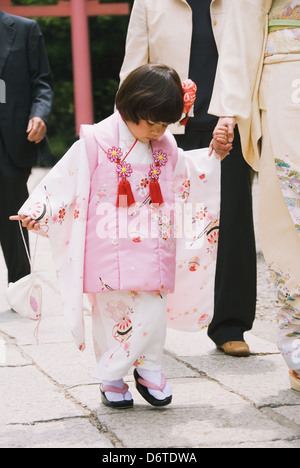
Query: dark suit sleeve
{"points": [[41, 84]]}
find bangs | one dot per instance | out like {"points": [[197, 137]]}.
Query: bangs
{"points": [[168, 110], [153, 93]]}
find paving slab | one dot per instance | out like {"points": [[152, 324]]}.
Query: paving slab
{"points": [[67, 433], [49, 399]]}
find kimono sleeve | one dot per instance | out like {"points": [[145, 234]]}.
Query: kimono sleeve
{"points": [[53, 200], [197, 192], [60, 203]]}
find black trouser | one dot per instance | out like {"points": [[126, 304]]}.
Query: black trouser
{"points": [[13, 193], [235, 281]]}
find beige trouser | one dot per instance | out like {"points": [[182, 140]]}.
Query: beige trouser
{"points": [[279, 194]]}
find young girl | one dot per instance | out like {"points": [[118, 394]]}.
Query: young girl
{"points": [[108, 210]]}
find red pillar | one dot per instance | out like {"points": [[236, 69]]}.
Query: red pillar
{"points": [[81, 64]]}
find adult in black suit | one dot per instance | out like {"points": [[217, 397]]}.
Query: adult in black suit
{"points": [[24, 115]]}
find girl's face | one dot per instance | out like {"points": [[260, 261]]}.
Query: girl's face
{"points": [[146, 131]]}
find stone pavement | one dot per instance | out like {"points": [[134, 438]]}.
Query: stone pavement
{"points": [[49, 400]]}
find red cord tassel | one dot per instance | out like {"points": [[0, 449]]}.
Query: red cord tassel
{"points": [[125, 196], [155, 192]]}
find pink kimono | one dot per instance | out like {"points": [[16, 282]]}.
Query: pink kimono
{"points": [[134, 255], [174, 267]]}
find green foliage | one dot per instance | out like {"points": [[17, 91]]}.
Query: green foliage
{"points": [[57, 35]]}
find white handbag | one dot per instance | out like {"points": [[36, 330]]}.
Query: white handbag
{"points": [[25, 295]]}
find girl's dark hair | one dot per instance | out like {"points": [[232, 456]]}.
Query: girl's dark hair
{"points": [[152, 92]]}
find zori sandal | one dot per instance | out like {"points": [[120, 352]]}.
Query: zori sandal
{"points": [[122, 404], [142, 387]]}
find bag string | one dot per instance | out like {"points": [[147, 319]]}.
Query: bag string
{"points": [[31, 261]]}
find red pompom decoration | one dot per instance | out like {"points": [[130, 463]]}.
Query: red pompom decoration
{"points": [[125, 196], [155, 192]]}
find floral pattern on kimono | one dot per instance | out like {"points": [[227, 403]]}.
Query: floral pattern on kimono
{"points": [[198, 193], [288, 293], [63, 221], [289, 178], [288, 317], [284, 40]]}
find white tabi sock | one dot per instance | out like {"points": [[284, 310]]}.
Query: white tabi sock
{"points": [[112, 396], [155, 377]]}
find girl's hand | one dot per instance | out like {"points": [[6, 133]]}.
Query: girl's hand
{"points": [[223, 137], [27, 222], [221, 150], [220, 146]]}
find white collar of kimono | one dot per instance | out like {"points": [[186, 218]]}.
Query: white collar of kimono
{"points": [[142, 152]]}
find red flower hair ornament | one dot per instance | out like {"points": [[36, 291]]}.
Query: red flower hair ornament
{"points": [[189, 96]]}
